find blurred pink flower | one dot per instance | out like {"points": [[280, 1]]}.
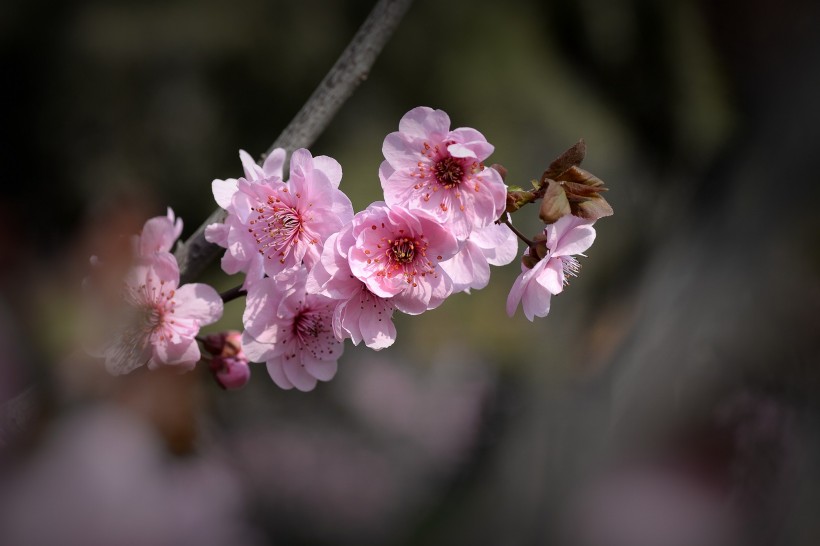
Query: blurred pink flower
{"points": [[534, 287], [429, 167], [397, 253], [495, 244], [651, 505], [163, 318], [274, 225], [360, 314], [102, 476], [158, 235], [292, 331]]}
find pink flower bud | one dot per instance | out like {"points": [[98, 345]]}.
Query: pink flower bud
{"points": [[229, 364]]}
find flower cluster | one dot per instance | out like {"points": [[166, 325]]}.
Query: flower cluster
{"points": [[316, 273]]}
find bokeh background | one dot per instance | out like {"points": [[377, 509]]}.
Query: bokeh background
{"points": [[670, 398]]}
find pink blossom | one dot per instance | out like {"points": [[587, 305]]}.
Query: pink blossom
{"points": [[292, 331], [274, 225], [429, 167], [360, 314], [397, 253], [565, 238], [162, 318], [495, 244]]}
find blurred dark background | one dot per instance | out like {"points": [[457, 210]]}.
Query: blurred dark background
{"points": [[670, 398]]}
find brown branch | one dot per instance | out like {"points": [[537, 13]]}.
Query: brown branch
{"points": [[350, 70]]}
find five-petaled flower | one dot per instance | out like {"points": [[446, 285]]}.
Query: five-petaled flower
{"points": [[429, 167], [273, 225], [291, 330], [397, 254]]}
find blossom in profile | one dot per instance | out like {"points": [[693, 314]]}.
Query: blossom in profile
{"points": [[360, 314], [545, 274], [162, 318], [291, 331], [495, 244], [397, 254], [273, 225], [429, 167]]}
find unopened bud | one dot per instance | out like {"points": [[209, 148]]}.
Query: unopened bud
{"points": [[229, 364]]}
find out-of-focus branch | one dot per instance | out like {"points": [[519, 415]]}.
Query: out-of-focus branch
{"points": [[350, 70]]}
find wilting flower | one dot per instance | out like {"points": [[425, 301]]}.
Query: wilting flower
{"points": [[541, 278], [397, 253], [274, 225], [292, 331], [229, 364], [163, 318], [495, 244], [429, 167], [360, 314]]}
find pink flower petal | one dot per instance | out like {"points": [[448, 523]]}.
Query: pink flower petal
{"points": [[470, 143], [536, 301], [277, 373], [323, 370], [424, 122], [497, 242], [298, 376], [516, 293], [252, 170], [217, 234], [224, 191], [198, 301], [573, 235], [274, 163], [330, 168], [184, 354], [255, 350], [551, 276]]}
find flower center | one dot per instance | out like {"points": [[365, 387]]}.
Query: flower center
{"points": [[276, 229], [307, 324], [448, 172], [402, 251]]}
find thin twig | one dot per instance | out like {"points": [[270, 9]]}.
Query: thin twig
{"points": [[350, 70], [506, 221], [233, 293]]}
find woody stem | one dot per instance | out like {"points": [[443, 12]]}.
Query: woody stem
{"points": [[506, 221], [233, 293]]}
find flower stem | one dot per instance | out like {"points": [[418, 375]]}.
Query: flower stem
{"points": [[233, 293], [506, 221]]}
